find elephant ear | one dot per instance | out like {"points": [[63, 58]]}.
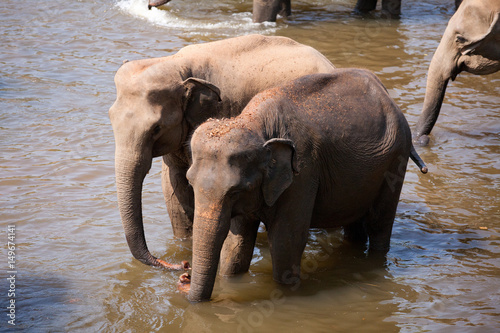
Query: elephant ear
{"points": [[476, 41], [201, 100], [280, 170]]}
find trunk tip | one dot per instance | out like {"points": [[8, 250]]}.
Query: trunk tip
{"points": [[422, 140]]}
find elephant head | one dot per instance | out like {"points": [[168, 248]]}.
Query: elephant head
{"points": [[471, 42], [155, 109], [234, 172]]}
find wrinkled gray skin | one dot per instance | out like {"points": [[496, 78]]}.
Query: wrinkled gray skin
{"points": [[161, 101], [325, 150], [471, 43]]}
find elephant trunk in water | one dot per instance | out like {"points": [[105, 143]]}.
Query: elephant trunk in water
{"points": [[211, 226], [443, 67], [130, 174]]}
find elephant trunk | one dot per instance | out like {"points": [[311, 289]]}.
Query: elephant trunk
{"points": [[130, 174], [211, 226], [156, 3], [443, 67]]}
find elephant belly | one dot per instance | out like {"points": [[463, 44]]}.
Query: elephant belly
{"points": [[341, 207], [332, 212]]}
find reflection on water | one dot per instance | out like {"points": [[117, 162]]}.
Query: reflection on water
{"points": [[75, 271]]}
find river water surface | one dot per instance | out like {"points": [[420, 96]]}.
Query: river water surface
{"points": [[74, 270]]}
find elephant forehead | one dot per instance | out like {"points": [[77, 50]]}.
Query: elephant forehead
{"points": [[228, 142], [216, 132], [473, 19], [221, 128]]}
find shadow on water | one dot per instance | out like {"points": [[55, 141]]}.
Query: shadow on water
{"points": [[45, 302]]}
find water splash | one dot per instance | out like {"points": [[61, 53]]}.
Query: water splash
{"points": [[195, 20]]}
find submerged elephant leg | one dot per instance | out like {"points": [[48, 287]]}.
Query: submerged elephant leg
{"points": [[289, 233], [238, 247], [391, 8], [267, 10], [286, 8], [365, 6], [355, 233], [179, 199], [287, 243], [381, 215]]}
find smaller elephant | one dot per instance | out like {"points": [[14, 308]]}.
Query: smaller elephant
{"points": [[470, 43], [325, 150]]}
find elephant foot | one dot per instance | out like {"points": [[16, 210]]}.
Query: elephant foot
{"points": [[182, 267], [184, 283]]}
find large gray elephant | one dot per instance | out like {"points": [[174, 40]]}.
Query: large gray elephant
{"points": [[325, 150], [161, 101], [471, 43]]}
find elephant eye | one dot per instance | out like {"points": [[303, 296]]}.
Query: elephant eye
{"points": [[461, 39], [156, 130]]}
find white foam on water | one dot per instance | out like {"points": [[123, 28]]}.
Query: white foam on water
{"points": [[229, 24]]}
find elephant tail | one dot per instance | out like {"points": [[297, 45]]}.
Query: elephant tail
{"points": [[418, 161]]}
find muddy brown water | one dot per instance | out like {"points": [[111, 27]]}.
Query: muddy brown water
{"points": [[74, 271]]}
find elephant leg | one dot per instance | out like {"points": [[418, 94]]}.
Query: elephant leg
{"points": [[267, 10], [287, 246], [288, 234], [364, 6], [391, 8], [355, 233], [237, 251], [179, 198], [286, 8], [381, 215]]}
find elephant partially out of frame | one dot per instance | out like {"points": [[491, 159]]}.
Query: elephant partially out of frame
{"points": [[470, 43], [268, 10], [161, 101]]}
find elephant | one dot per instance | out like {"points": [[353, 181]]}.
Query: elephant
{"points": [[471, 43], [160, 101], [325, 150], [268, 10]]}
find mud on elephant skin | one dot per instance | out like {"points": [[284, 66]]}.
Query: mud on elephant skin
{"points": [[325, 150], [470, 43], [160, 102]]}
